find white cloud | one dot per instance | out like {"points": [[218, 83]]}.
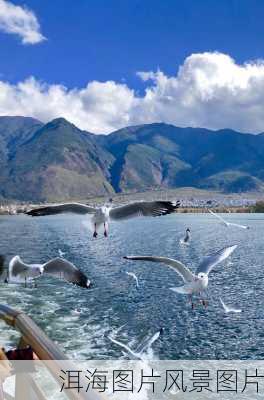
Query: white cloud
{"points": [[210, 90], [99, 107], [20, 21]]}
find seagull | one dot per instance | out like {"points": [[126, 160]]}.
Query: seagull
{"points": [[139, 354], [228, 309], [61, 253], [58, 267], [187, 237], [102, 215], [134, 277], [227, 224], [193, 283]]}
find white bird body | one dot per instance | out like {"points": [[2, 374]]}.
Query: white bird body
{"points": [[103, 215], [27, 271], [193, 283], [198, 285]]}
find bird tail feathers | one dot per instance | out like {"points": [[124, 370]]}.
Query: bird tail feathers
{"points": [[180, 289]]}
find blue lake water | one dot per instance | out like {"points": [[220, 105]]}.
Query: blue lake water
{"points": [[114, 301]]}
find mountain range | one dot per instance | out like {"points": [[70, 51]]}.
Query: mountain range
{"points": [[57, 161]]}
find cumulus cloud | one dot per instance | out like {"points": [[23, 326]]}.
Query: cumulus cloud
{"points": [[20, 21], [99, 107], [210, 90]]}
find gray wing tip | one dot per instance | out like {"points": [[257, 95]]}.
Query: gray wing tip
{"points": [[82, 281], [79, 279], [233, 247], [133, 258], [177, 203], [30, 212], [37, 212], [89, 284], [168, 207]]}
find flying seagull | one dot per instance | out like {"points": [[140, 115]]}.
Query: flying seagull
{"points": [[141, 353], [227, 224], [228, 309], [18, 271], [186, 239], [134, 277], [61, 253], [193, 283], [103, 215]]}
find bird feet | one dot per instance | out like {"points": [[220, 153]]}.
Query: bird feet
{"points": [[95, 234], [105, 234], [204, 303]]}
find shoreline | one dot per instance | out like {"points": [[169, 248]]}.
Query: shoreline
{"points": [[181, 210], [192, 201]]}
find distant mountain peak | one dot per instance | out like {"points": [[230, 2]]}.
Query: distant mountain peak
{"points": [[13, 120], [58, 161], [60, 121], [18, 117]]}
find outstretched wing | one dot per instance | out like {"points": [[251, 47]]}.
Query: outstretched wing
{"points": [[75, 208], [223, 304], [218, 217], [228, 223], [211, 261], [177, 266], [150, 342], [238, 225], [64, 269], [134, 276], [17, 267], [143, 208], [228, 309], [125, 347]]}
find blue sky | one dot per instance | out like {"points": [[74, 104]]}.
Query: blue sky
{"points": [[112, 40]]}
